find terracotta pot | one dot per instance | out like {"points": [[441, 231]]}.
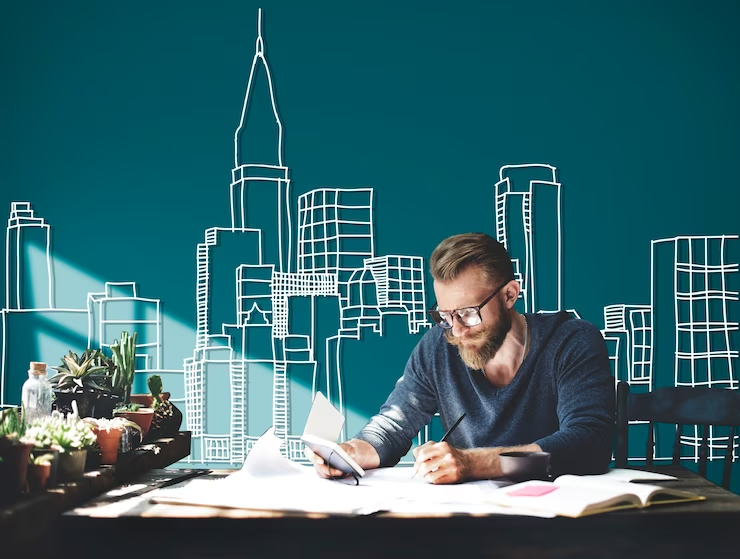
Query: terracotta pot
{"points": [[13, 468], [147, 399], [143, 418], [38, 476], [108, 442], [52, 481], [72, 464]]}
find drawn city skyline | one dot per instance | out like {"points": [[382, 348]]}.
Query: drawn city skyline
{"points": [[333, 258]]}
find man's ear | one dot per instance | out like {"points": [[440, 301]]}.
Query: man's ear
{"points": [[511, 293]]}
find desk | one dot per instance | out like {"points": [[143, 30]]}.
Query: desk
{"points": [[32, 516], [700, 529]]}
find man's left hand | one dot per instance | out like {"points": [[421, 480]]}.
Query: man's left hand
{"points": [[440, 463]]}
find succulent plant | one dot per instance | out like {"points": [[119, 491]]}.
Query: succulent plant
{"points": [[61, 432], [12, 424], [77, 372], [124, 357]]}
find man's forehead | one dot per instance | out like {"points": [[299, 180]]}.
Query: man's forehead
{"points": [[462, 291]]}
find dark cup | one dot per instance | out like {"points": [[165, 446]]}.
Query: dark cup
{"points": [[525, 465]]}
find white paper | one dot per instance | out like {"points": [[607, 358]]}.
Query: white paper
{"points": [[269, 481], [324, 420]]}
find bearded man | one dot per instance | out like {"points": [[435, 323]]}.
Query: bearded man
{"points": [[533, 382]]}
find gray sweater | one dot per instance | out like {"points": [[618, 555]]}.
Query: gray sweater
{"points": [[562, 398]]}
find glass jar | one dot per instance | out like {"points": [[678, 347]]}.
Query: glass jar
{"points": [[36, 393]]}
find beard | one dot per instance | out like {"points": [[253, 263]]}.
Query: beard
{"points": [[479, 348]]}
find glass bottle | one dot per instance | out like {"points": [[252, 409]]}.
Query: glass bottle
{"points": [[36, 393]]}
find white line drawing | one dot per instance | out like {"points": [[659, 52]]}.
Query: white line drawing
{"points": [[529, 224], [690, 310], [21, 282], [115, 310], [108, 313], [630, 326], [335, 258]]}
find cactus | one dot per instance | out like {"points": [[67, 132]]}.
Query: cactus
{"points": [[124, 356], [155, 387]]}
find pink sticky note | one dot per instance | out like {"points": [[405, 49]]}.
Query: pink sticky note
{"points": [[532, 490]]}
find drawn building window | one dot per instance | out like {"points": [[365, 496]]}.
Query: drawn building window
{"points": [[217, 448], [641, 345]]}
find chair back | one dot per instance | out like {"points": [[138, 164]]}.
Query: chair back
{"points": [[681, 405]]}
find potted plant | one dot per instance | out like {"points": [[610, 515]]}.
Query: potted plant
{"points": [[39, 435], [137, 414], [14, 453], [110, 433], [39, 470], [167, 418], [71, 435], [124, 356], [86, 379]]}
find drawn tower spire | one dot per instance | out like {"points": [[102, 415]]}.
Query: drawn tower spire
{"points": [[260, 185]]}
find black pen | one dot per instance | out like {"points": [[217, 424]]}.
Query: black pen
{"points": [[447, 434], [451, 429]]}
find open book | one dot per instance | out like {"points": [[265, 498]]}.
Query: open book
{"points": [[574, 496], [322, 429]]}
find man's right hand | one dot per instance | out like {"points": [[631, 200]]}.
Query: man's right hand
{"points": [[361, 452]]}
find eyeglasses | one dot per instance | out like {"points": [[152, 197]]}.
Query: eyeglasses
{"points": [[467, 316]]}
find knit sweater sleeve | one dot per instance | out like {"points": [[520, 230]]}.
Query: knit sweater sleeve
{"points": [[586, 403], [408, 408]]}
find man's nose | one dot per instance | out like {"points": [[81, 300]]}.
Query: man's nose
{"points": [[458, 329]]}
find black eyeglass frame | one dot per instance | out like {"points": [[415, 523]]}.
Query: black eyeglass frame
{"points": [[434, 313]]}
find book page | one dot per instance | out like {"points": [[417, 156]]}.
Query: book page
{"points": [[562, 499], [624, 474], [643, 491]]}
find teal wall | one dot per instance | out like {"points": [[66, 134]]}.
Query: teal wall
{"points": [[117, 124]]}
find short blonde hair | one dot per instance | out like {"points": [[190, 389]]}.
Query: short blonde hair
{"points": [[457, 253]]}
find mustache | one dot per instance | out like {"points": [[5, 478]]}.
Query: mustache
{"points": [[474, 337]]}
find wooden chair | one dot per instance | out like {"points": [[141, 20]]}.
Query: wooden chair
{"points": [[682, 405]]}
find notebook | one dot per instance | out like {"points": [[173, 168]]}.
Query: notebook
{"points": [[575, 496]]}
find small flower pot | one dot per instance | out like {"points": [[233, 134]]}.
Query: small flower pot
{"points": [[72, 464], [38, 476], [143, 418], [13, 468], [108, 442], [52, 480]]}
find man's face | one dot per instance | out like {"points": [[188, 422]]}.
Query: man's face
{"points": [[478, 344]]}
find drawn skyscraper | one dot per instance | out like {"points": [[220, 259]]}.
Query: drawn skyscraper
{"points": [[260, 187], [629, 328], [27, 271], [694, 299], [528, 224], [272, 331]]}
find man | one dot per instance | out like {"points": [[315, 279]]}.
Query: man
{"points": [[538, 382]]}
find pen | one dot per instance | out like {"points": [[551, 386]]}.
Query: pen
{"points": [[447, 434], [451, 429]]}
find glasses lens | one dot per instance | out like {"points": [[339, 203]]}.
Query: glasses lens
{"points": [[469, 317], [440, 319]]}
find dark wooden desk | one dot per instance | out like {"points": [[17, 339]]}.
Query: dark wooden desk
{"points": [[32, 517], [700, 529]]}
